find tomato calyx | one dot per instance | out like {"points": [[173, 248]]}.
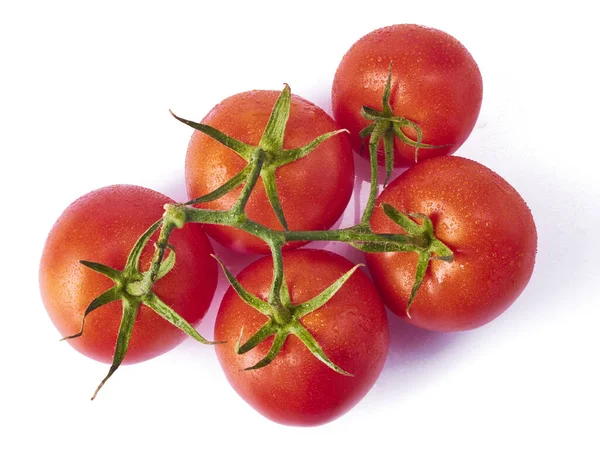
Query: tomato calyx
{"points": [[386, 126], [284, 317], [134, 288], [271, 144], [429, 248]]}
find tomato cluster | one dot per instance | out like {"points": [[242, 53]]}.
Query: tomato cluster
{"points": [[302, 334]]}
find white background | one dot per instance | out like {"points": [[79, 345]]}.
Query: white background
{"points": [[84, 93]]}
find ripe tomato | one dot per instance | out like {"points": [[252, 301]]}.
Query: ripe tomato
{"points": [[102, 226], [435, 84], [297, 388], [485, 223], [314, 190]]}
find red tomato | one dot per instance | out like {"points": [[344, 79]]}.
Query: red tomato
{"points": [[297, 388], [435, 83], [314, 190], [103, 226], [485, 223]]}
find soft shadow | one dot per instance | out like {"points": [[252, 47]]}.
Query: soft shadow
{"points": [[414, 357]]}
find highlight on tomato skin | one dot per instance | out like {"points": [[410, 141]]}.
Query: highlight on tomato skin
{"points": [[314, 190], [297, 388], [436, 84], [486, 224], [102, 226]]}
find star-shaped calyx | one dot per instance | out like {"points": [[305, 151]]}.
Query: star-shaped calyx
{"points": [[386, 126], [284, 319], [423, 242], [271, 143], [134, 287]]}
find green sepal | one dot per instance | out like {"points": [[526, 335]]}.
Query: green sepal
{"points": [[385, 100], [397, 127], [367, 131], [107, 271], [304, 335], [373, 115], [272, 138], [401, 219], [171, 316], [130, 310], [289, 156], [133, 260], [268, 329], [441, 250], [167, 263], [241, 148], [422, 264], [311, 305], [363, 134], [258, 158], [224, 189], [268, 177], [112, 294], [280, 338], [248, 298]]}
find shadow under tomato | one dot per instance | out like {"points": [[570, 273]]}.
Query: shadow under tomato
{"points": [[414, 358]]}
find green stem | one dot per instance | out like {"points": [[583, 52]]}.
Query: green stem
{"points": [[378, 132], [159, 253], [350, 235], [282, 314], [276, 239]]}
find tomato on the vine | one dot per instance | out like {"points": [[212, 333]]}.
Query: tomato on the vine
{"points": [[313, 190], [103, 226], [296, 388], [435, 83], [486, 224]]}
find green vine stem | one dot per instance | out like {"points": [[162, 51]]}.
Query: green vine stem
{"points": [[134, 287]]}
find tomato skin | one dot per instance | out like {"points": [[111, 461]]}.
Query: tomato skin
{"points": [[435, 83], [297, 388], [102, 226], [314, 190], [486, 224]]}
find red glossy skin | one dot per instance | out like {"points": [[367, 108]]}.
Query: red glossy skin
{"points": [[485, 223], [435, 83], [314, 190], [102, 226], [297, 388]]}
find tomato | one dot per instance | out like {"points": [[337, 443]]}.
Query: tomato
{"points": [[435, 84], [486, 224], [297, 388], [102, 226], [314, 190]]}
